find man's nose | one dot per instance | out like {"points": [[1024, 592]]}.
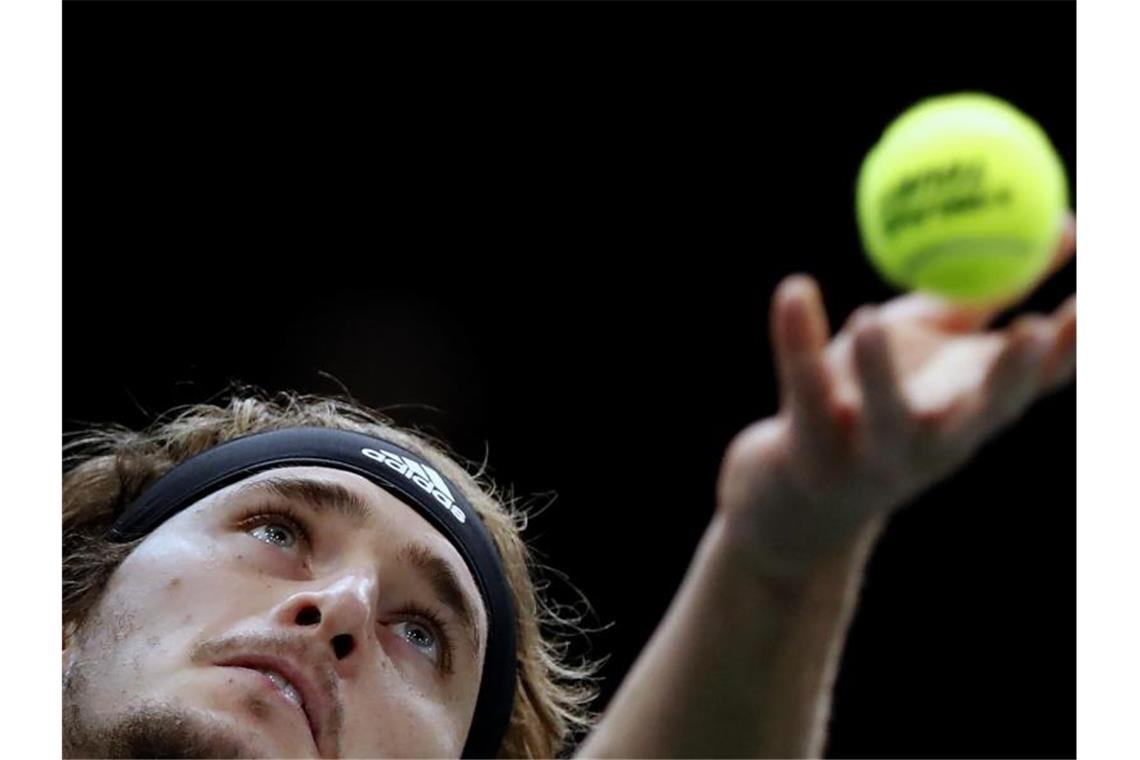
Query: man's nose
{"points": [[340, 612]]}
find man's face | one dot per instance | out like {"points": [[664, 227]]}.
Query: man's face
{"points": [[288, 615]]}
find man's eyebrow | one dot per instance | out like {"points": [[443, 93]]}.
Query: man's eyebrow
{"points": [[317, 495], [322, 497], [446, 587]]}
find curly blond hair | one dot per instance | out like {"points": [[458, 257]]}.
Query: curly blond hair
{"points": [[108, 467]]}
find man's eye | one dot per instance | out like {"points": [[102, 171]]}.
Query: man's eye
{"points": [[419, 636], [276, 533]]}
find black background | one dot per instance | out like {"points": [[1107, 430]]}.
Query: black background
{"points": [[551, 231]]}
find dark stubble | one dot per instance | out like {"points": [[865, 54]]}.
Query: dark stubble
{"points": [[145, 731]]}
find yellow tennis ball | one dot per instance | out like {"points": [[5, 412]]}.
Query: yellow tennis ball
{"points": [[963, 196]]}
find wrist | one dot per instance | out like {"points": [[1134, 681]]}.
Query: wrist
{"points": [[790, 571]]}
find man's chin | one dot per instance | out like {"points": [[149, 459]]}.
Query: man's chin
{"points": [[163, 731]]}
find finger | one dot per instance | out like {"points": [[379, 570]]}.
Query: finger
{"points": [[1010, 386], [1066, 248], [799, 335], [1061, 361], [940, 312], [885, 409]]}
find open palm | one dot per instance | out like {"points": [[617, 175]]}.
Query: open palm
{"points": [[900, 398]]}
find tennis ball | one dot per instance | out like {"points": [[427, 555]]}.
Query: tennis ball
{"points": [[963, 196]]}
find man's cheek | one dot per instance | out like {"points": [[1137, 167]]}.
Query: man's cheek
{"points": [[171, 579], [150, 608], [393, 717]]}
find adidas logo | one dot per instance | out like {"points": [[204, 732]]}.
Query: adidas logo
{"points": [[422, 475]]}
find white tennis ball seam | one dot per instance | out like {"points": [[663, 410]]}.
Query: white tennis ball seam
{"points": [[917, 259]]}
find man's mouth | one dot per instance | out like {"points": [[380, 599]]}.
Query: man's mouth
{"points": [[284, 686], [279, 675]]}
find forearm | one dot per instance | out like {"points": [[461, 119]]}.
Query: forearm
{"points": [[741, 665]]}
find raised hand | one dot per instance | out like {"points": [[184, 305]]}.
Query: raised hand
{"points": [[901, 397]]}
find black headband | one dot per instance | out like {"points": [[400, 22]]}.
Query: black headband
{"points": [[393, 468]]}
